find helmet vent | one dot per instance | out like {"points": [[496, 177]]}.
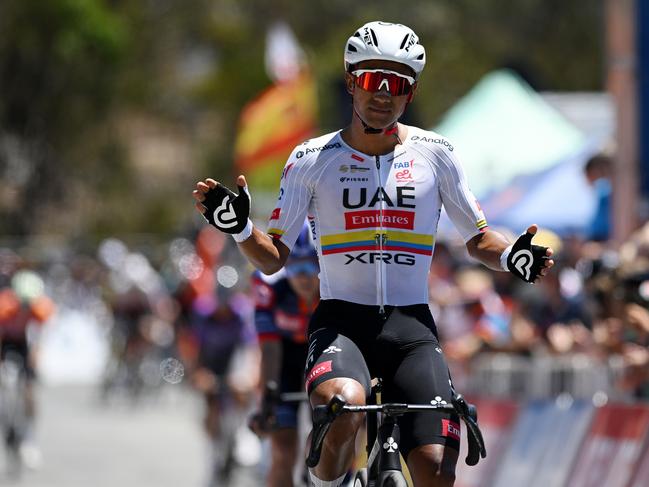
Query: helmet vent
{"points": [[421, 56], [376, 42], [403, 42], [351, 48], [358, 34]]}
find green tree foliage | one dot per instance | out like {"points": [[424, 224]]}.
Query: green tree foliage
{"points": [[94, 92]]}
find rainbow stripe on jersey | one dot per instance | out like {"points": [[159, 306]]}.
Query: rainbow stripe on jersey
{"points": [[415, 243]]}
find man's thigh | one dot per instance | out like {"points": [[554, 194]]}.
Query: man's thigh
{"points": [[422, 377], [333, 355]]}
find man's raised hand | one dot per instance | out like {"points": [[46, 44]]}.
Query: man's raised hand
{"points": [[526, 260], [221, 207]]}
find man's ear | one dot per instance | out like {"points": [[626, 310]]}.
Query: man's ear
{"points": [[349, 83], [411, 95]]}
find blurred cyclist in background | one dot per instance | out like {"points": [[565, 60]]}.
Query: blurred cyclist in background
{"points": [[284, 303], [23, 303], [219, 333]]}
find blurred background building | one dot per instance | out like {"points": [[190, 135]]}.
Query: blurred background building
{"points": [[110, 110]]}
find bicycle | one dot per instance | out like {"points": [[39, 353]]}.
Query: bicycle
{"points": [[383, 462]]}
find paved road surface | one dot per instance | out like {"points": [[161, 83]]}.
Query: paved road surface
{"points": [[152, 445]]}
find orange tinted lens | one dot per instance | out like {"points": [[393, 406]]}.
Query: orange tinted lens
{"points": [[394, 84]]}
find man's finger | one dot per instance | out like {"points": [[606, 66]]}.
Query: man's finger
{"points": [[211, 183], [241, 180], [203, 187], [533, 228], [198, 195], [201, 209]]}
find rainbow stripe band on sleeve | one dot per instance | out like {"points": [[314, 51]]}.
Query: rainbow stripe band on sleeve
{"points": [[366, 240], [275, 233], [480, 224]]}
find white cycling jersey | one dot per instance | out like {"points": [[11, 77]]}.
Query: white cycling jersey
{"points": [[374, 217]]}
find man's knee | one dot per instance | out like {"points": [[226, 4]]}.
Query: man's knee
{"points": [[354, 393], [434, 462]]}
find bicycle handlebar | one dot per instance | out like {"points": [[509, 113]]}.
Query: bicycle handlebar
{"points": [[324, 416]]}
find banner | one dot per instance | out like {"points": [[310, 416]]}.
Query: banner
{"points": [[544, 444], [612, 448]]}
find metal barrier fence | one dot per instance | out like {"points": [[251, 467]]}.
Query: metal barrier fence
{"points": [[503, 375]]}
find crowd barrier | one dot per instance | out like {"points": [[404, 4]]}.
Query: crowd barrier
{"points": [[496, 420], [560, 443], [511, 376]]}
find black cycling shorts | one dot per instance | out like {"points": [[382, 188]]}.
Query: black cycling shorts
{"points": [[401, 347], [21, 349]]}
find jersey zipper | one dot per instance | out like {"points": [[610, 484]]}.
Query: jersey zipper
{"points": [[381, 238]]}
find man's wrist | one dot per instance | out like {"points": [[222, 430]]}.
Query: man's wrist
{"points": [[244, 234], [504, 256]]}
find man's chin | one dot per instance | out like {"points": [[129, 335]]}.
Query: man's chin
{"points": [[380, 122]]}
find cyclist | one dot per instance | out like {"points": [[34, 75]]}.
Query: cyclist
{"points": [[375, 189], [23, 303], [284, 303], [219, 332]]}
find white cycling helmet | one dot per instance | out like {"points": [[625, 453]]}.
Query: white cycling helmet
{"points": [[390, 42]]}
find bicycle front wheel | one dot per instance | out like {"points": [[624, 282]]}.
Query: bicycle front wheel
{"points": [[361, 478], [392, 479]]}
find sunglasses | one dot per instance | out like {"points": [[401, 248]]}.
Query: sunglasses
{"points": [[305, 267], [374, 80]]}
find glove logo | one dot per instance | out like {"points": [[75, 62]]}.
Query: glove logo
{"points": [[224, 214], [522, 262]]}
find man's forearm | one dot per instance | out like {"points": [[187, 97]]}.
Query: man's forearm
{"points": [[487, 247], [263, 252]]}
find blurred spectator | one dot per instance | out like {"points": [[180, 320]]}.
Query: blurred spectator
{"points": [[598, 173]]}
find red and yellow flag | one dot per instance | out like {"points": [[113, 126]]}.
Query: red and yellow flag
{"points": [[270, 126]]}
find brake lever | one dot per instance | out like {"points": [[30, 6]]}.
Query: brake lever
{"points": [[469, 414]]}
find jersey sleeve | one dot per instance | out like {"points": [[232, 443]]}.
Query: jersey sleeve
{"points": [[461, 205], [265, 300], [293, 201]]}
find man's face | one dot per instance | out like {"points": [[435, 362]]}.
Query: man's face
{"points": [[378, 109]]}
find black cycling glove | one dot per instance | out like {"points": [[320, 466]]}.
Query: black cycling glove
{"points": [[526, 260], [225, 210]]}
